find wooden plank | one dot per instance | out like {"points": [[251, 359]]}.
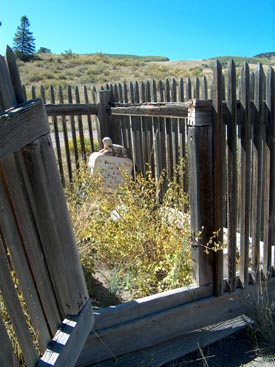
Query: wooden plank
{"points": [[7, 357], [196, 89], [168, 133], [16, 314], [257, 169], [141, 307], [104, 118], [7, 95], [180, 90], [156, 136], [12, 168], [72, 122], [46, 196], [182, 140], [172, 109], [162, 142], [204, 89], [13, 240], [162, 326], [270, 105], [175, 130], [89, 120], [232, 175], [201, 196], [125, 120], [10, 230], [168, 351], [15, 77], [57, 139], [146, 129], [71, 109], [188, 89], [65, 348], [245, 173], [18, 126], [132, 133], [219, 174], [65, 137], [138, 153], [80, 127]]}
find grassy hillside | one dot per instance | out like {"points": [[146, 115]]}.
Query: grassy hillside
{"points": [[99, 69]]}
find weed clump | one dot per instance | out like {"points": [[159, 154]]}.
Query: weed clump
{"points": [[142, 240]]}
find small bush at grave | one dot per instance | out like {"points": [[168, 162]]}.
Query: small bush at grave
{"points": [[144, 244], [86, 144]]}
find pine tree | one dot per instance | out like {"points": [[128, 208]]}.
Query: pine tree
{"points": [[24, 46]]}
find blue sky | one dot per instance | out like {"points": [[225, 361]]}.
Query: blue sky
{"points": [[178, 29]]}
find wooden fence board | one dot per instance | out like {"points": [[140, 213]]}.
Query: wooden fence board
{"points": [[89, 121], [232, 174], [13, 240], [270, 120], [15, 311], [30, 239], [162, 326], [245, 173], [219, 174], [46, 196], [73, 131], [67, 344], [65, 137], [18, 126], [257, 169], [57, 139], [80, 127], [7, 357]]}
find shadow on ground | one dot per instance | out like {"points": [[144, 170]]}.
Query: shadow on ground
{"points": [[234, 351]]}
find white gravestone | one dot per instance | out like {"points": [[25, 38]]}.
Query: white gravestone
{"points": [[112, 169]]}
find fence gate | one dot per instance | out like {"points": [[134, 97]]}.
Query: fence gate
{"points": [[41, 278]]}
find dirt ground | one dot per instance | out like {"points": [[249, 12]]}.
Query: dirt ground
{"points": [[234, 351]]}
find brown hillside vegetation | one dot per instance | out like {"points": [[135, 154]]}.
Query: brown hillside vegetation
{"points": [[99, 69]]}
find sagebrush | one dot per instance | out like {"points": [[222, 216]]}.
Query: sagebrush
{"points": [[142, 239]]}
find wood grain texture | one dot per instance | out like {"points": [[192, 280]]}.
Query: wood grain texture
{"points": [[7, 357], [15, 311], [219, 144], [13, 168], [65, 347], [245, 173], [21, 125], [232, 174], [162, 326]]}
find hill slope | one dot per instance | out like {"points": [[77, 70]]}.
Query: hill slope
{"points": [[99, 69]]}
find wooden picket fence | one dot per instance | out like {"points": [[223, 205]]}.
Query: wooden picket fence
{"points": [[223, 129], [155, 143]]}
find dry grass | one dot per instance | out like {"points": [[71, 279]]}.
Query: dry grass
{"points": [[99, 69]]}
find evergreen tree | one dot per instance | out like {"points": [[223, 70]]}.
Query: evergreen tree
{"points": [[24, 46]]}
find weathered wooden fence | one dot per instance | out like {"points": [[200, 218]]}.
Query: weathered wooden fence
{"points": [[41, 280], [229, 144], [79, 119]]}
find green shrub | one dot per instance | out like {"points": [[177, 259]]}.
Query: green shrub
{"points": [[143, 242]]}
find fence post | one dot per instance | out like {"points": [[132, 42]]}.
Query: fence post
{"points": [[200, 171], [103, 116]]}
